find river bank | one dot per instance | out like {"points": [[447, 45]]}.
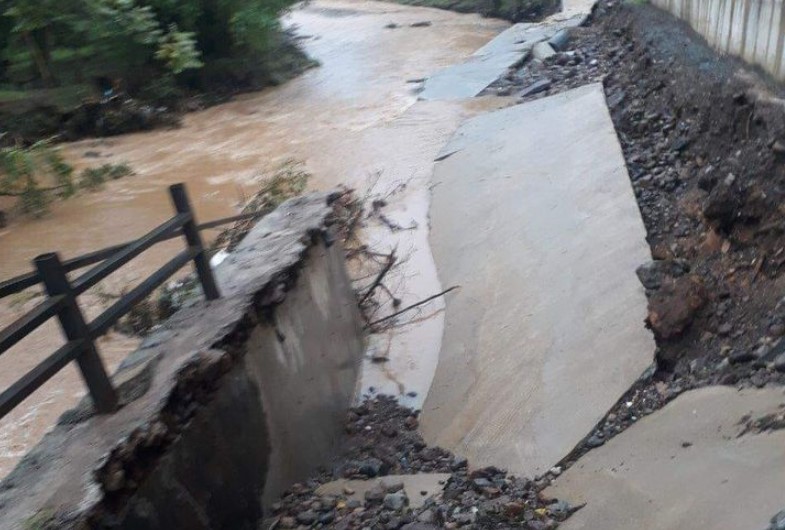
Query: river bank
{"points": [[72, 113], [348, 121], [512, 10]]}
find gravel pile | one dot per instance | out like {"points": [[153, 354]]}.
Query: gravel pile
{"points": [[383, 440]]}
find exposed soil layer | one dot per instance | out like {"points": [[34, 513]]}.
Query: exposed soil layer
{"points": [[383, 440], [704, 141]]}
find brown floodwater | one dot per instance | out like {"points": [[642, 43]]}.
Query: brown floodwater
{"points": [[347, 119]]}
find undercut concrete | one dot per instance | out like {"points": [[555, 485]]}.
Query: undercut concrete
{"points": [[690, 465], [534, 217], [225, 405]]}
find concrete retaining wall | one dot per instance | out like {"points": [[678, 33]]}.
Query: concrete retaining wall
{"points": [[226, 405], [750, 29]]}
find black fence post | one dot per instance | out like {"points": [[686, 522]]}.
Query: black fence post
{"points": [[74, 327], [194, 240]]}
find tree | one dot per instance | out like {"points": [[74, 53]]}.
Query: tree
{"points": [[33, 20]]}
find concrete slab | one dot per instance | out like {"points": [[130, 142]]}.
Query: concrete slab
{"points": [[534, 217], [487, 64], [684, 467], [418, 488], [466, 80]]}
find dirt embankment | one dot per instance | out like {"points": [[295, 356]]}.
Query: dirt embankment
{"points": [[704, 141], [512, 10]]}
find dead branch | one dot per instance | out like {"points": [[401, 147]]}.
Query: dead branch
{"points": [[410, 307], [379, 277]]}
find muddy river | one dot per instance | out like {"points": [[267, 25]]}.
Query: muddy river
{"points": [[352, 117]]}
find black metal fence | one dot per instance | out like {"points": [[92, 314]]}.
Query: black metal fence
{"points": [[61, 301]]}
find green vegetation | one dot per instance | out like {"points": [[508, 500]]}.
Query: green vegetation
{"points": [[37, 174], [93, 178], [55, 54], [34, 174], [513, 10]]}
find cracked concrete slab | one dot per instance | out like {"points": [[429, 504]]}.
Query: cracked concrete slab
{"points": [[509, 48], [686, 466], [466, 80], [534, 217]]}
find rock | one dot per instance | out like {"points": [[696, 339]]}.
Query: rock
{"points": [[372, 467], [376, 493], [722, 205], [391, 25], [419, 526], [725, 329], [741, 356], [426, 516], [504, 91], [411, 423], [778, 147], [707, 179], [560, 508], [535, 88], [3, 219], [778, 521], [560, 39], [595, 441], [396, 501], [464, 518], [422, 24], [287, 522], [327, 518], [389, 431], [673, 307], [680, 144], [482, 483], [653, 273], [542, 51], [308, 517], [459, 463], [779, 363]]}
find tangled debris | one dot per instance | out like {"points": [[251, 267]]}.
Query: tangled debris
{"points": [[382, 441], [374, 270]]}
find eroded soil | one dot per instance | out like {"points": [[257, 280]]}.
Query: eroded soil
{"points": [[704, 141]]}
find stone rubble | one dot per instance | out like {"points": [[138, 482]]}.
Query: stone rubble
{"points": [[383, 441]]}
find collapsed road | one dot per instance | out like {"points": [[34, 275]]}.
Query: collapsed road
{"points": [[608, 210]]}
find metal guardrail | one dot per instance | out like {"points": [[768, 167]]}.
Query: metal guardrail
{"points": [[62, 302]]}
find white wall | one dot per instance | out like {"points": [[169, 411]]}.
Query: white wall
{"points": [[750, 29]]}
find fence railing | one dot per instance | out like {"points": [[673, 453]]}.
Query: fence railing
{"points": [[61, 301]]}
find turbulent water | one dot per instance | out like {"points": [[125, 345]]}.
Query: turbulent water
{"points": [[350, 118]]}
